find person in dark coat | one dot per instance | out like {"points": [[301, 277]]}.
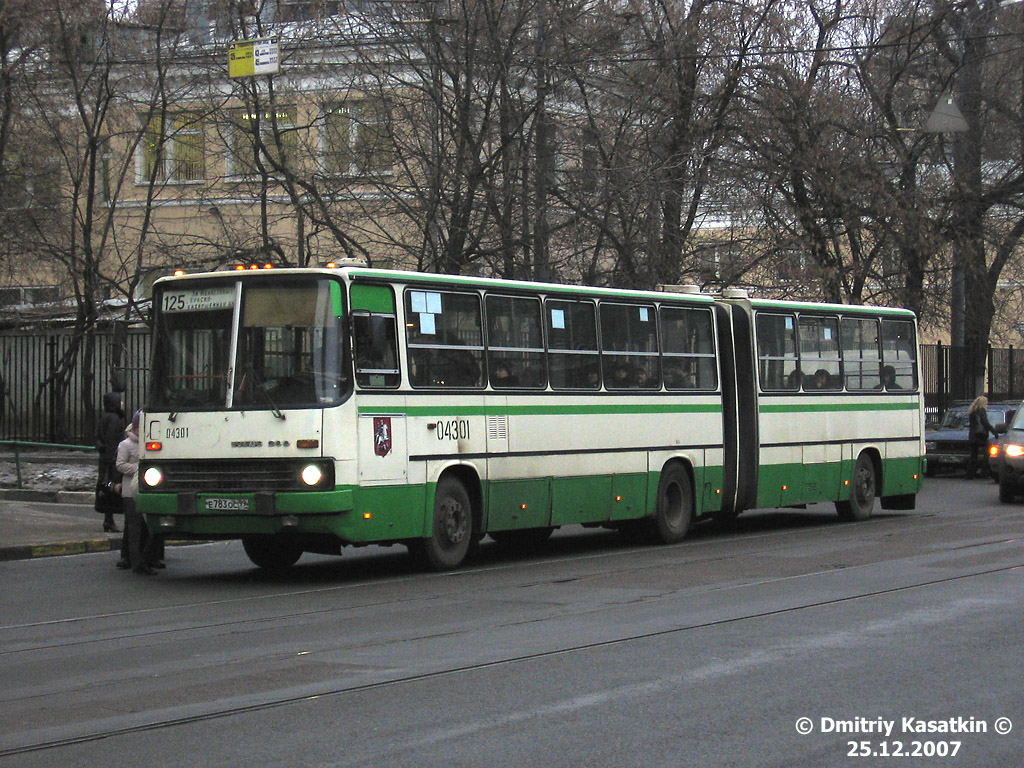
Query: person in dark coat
{"points": [[978, 429], [109, 433]]}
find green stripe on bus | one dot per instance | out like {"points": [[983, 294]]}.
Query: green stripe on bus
{"points": [[813, 407], [540, 410]]}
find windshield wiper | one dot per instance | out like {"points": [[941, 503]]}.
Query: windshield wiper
{"points": [[258, 386]]}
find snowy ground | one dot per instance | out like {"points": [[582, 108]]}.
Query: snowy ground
{"points": [[49, 473]]}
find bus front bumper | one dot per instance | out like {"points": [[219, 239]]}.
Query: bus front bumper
{"points": [[231, 515]]}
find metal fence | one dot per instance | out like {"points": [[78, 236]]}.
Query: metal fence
{"points": [[31, 411], [34, 406], [946, 375]]}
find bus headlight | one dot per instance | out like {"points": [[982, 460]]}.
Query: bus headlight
{"points": [[312, 474], [152, 477]]}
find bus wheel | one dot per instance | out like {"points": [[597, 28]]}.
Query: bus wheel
{"points": [[271, 552], [675, 506], [452, 535], [862, 493]]}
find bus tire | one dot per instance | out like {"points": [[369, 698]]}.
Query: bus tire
{"points": [[452, 531], [863, 490], [675, 505], [270, 552]]}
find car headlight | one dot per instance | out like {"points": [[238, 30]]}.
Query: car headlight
{"points": [[1014, 450], [930, 447], [152, 477], [312, 474]]}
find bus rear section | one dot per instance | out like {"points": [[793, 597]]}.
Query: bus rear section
{"points": [[838, 408]]}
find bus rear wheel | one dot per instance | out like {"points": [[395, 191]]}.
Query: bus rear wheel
{"points": [[861, 503], [452, 535], [270, 552], [675, 506]]}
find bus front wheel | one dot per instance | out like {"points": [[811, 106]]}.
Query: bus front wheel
{"points": [[271, 553], [675, 506], [452, 535], [861, 503]]}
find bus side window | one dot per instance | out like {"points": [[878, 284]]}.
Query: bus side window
{"points": [[572, 344], [899, 356], [444, 335], [778, 365], [861, 358], [819, 352], [688, 349], [376, 350], [515, 343], [629, 346]]}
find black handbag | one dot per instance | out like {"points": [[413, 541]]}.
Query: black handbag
{"points": [[107, 497]]}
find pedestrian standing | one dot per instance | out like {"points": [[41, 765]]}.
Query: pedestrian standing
{"points": [[109, 432], [978, 429], [142, 548]]}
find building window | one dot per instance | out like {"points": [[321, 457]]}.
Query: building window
{"points": [[30, 185], [276, 132], [357, 139], [173, 149]]}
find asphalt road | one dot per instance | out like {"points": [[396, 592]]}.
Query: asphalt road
{"points": [[586, 653]]}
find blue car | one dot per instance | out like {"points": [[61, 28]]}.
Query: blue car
{"points": [[948, 448]]}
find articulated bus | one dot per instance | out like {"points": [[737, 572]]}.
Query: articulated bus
{"points": [[304, 410]]}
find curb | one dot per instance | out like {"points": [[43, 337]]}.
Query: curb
{"points": [[29, 551], [46, 497]]}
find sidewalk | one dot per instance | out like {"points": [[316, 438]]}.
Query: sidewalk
{"points": [[48, 523]]}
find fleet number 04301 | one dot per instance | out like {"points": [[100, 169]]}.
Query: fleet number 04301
{"points": [[453, 429]]}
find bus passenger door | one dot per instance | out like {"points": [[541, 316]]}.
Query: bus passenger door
{"points": [[383, 450], [734, 321]]}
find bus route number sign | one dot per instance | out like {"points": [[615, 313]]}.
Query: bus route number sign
{"points": [[199, 299]]}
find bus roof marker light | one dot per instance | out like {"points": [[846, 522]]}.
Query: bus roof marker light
{"points": [[179, 272], [154, 446], [307, 443], [367, 515]]}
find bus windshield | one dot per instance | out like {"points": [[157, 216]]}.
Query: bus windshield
{"points": [[249, 345]]}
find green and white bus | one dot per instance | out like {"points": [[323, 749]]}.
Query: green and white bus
{"points": [[303, 410]]}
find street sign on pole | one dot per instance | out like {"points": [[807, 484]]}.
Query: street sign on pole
{"points": [[247, 58]]}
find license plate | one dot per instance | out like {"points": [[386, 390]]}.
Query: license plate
{"points": [[227, 505], [950, 459]]}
